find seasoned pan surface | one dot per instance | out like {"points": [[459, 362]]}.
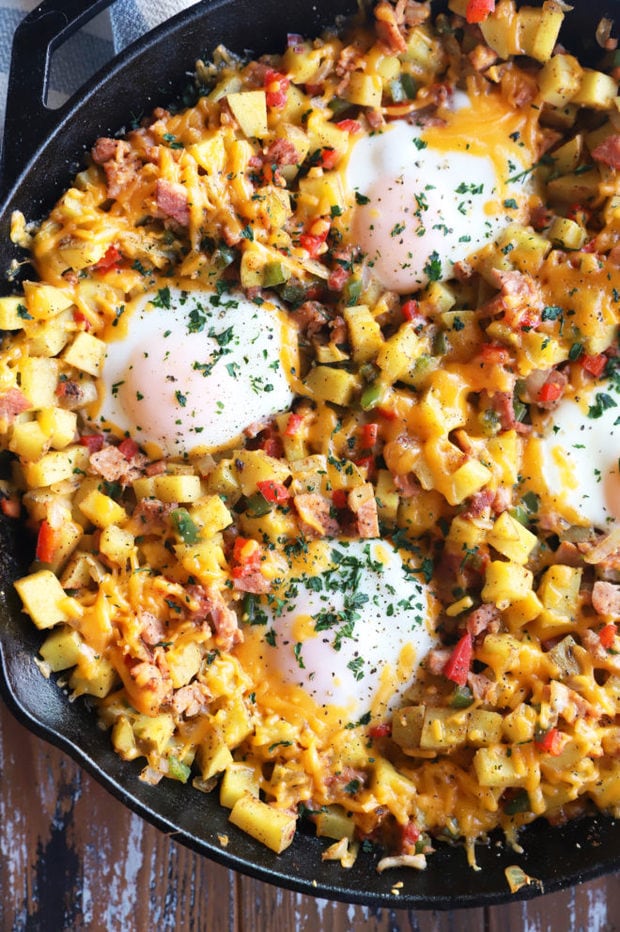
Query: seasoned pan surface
{"points": [[150, 73]]}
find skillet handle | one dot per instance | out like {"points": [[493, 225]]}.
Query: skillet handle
{"points": [[28, 120]]}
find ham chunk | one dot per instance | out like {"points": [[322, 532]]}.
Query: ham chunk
{"points": [[12, 403], [606, 599], [363, 504], [315, 517], [608, 151], [172, 201]]}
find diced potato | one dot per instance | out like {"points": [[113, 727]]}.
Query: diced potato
{"points": [[213, 756], [59, 424], [567, 233], [500, 30], [48, 337], [539, 29], [559, 593], [153, 732], [334, 822], [520, 724], [444, 405], [28, 440], [597, 90], [235, 722], [13, 310], [506, 582], [274, 828], [559, 79], [407, 724], [61, 648], [181, 488], [102, 510], [484, 727], [239, 780], [116, 544], [86, 353], [364, 333], [211, 514], [398, 353], [44, 301], [250, 110], [56, 466], [184, 662], [444, 728], [420, 513], [325, 383], [527, 249], [254, 466], [44, 599], [365, 90], [123, 739], [510, 538], [387, 497], [92, 677], [502, 766], [39, 380], [523, 611], [144, 487], [465, 481]]}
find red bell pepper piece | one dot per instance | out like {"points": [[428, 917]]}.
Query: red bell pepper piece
{"points": [[457, 667], [276, 86], [607, 635], [477, 11], [349, 126], [110, 260], [595, 365], [383, 730], [47, 541], [274, 492], [328, 158], [550, 742], [128, 448], [550, 391], [94, 442]]}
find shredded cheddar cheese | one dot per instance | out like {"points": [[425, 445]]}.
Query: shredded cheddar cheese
{"points": [[425, 421]]}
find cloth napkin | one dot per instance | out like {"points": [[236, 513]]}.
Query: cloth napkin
{"points": [[87, 50]]}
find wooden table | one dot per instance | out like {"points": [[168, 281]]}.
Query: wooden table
{"points": [[73, 858]]}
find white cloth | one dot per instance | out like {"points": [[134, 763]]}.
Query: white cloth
{"points": [[90, 48]]}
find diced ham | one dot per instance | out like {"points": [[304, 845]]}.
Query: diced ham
{"points": [[152, 629], [315, 518], [312, 317], [485, 618], [73, 395], [436, 660], [606, 599], [412, 12], [407, 486], [608, 151], [172, 201], [388, 28], [150, 515], [12, 403], [479, 503], [518, 292], [191, 700], [568, 554], [119, 162], [483, 689], [282, 152], [149, 676], [210, 607], [503, 405], [114, 467], [252, 580]]}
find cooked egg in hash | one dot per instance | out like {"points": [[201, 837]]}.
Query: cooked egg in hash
{"points": [[349, 624], [313, 410], [194, 368], [429, 197]]}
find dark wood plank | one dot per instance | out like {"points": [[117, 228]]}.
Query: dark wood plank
{"points": [[72, 857]]}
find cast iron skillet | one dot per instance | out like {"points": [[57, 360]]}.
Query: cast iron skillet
{"points": [[42, 150]]}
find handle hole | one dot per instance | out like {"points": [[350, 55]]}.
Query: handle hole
{"points": [[76, 59]]}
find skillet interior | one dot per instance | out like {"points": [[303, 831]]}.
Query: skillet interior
{"points": [[146, 75]]}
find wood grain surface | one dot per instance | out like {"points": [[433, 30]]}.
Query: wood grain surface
{"points": [[73, 858]]}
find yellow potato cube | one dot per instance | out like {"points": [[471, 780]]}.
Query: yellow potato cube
{"points": [[93, 677], [59, 424], [44, 599], [181, 488], [44, 301], [465, 481], [116, 544], [153, 732], [523, 611], [39, 380], [407, 724], [13, 312], [559, 593], [273, 827], [48, 337], [364, 333], [144, 487], [365, 90], [334, 822], [102, 510], [519, 725], [502, 766], [444, 728], [213, 756], [397, 355], [55, 466], [211, 514], [86, 353], [566, 233], [61, 649], [250, 110], [539, 29], [184, 662], [510, 538], [559, 79], [325, 383], [484, 728], [506, 583], [28, 440], [598, 90], [239, 780], [254, 466]]}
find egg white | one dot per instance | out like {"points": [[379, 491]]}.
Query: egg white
{"points": [[420, 210], [338, 629], [579, 459], [193, 368]]}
